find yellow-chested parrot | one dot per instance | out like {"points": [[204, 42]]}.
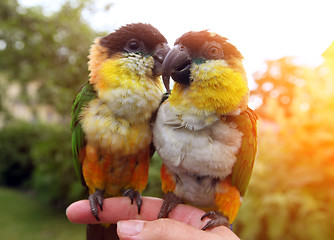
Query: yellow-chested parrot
{"points": [[111, 128], [205, 133]]}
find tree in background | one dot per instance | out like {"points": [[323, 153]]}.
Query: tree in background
{"points": [[278, 82], [50, 51], [291, 194], [44, 59]]}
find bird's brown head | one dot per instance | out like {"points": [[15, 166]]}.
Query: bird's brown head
{"points": [[196, 47]]}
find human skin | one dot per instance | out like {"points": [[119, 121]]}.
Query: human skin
{"points": [[183, 222]]}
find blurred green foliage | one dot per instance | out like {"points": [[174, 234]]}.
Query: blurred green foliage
{"points": [[54, 178], [16, 164], [22, 217], [52, 51], [153, 187], [39, 157], [49, 49]]}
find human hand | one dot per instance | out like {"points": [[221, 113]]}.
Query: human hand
{"points": [[184, 221]]}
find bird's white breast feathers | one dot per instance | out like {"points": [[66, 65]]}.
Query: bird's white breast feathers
{"points": [[118, 121], [209, 151]]}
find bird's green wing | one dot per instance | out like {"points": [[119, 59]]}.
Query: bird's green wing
{"points": [[85, 95], [243, 168]]}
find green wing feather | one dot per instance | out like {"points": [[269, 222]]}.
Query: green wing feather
{"points": [[243, 168], [85, 95]]}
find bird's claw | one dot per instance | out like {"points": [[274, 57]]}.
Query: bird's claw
{"points": [[95, 201], [217, 219], [169, 203], [132, 194]]}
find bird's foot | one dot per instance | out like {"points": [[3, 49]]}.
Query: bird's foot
{"points": [[95, 201], [169, 203], [217, 219], [132, 194]]}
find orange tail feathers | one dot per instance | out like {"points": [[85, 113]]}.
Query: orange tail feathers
{"points": [[227, 199], [167, 180]]}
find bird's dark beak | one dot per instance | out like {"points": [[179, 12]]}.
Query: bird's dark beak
{"points": [[177, 65], [159, 55]]}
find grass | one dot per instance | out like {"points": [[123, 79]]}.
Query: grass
{"points": [[23, 218]]}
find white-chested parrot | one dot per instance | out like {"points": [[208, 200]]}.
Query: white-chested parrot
{"points": [[205, 133]]}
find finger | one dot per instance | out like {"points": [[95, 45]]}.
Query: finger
{"points": [[189, 215], [224, 231], [114, 209], [161, 229], [120, 208]]}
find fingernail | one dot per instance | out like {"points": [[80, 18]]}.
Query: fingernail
{"points": [[130, 227]]}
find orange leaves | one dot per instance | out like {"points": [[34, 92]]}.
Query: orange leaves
{"points": [[291, 191]]}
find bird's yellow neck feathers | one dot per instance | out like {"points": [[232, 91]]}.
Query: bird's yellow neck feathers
{"points": [[127, 71], [215, 87]]}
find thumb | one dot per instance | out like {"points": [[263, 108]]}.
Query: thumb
{"points": [[165, 229]]}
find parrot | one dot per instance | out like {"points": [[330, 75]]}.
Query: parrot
{"points": [[111, 114], [205, 133]]}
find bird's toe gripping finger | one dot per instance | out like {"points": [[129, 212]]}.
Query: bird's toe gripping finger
{"points": [[169, 203], [139, 202], [95, 201], [132, 194], [217, 219]]}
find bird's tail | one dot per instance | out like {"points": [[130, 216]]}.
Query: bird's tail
{"points": [[100, 232]]}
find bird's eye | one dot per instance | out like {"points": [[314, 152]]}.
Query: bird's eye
{"points": [[133, 45], [213, 50]]}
